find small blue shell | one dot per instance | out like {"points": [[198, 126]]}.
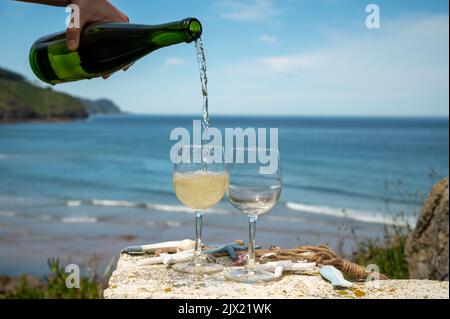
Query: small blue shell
{"points": [[335, 277]]}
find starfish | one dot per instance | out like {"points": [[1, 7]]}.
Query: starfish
{"points": [[230, 249]]}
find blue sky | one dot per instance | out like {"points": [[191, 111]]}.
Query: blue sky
{"points": [[283, 57]]}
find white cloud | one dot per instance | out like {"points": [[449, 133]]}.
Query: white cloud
{"points": [[249, 10], [174, 61], [290, 63], [400, 69], [269, 39]]}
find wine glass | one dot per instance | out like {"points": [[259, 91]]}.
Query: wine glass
{"points": [[254, 189], [200, 182]]}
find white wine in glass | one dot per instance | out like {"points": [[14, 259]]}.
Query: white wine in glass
{"points": [[199, 185], [254, 192], [200, 190]]}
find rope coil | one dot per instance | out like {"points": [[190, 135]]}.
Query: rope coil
{"points": [[321, 255]]}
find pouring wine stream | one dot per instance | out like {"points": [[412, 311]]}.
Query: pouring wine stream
{"points": [[206, 122]]}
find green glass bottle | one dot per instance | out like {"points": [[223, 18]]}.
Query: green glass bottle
{"points": [[105, 48]]}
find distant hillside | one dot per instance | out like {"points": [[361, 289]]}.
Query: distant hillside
{"points": [[102, 106], [23, 101], [8, 75]]}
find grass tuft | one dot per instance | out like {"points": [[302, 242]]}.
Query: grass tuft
{"points": [[53, 286]]}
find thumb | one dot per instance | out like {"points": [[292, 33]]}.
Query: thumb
{"points": [[73, 38]]}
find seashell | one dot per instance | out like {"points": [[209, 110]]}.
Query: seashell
{"points": [[167, 259], [278, 272], [170, 259], [335, 277], [267, 256], [241, 259], [179, 246], [287, 265]]}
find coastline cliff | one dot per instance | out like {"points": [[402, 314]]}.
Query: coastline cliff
{"points": [[21, 101]]}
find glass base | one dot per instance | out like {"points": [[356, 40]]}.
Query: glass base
{"points": [[250, 276], [198, 268]]}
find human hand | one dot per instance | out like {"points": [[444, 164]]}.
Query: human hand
{"points": [[92, 11]]}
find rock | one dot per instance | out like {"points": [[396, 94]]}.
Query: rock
{"points": [[427, 246], [161, 282]]}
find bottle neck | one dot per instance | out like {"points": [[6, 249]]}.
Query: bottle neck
{"points": [[186, 30], [162, 35]]}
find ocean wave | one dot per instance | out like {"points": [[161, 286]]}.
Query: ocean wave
{"points": [[170, 208], [79, 220], [113, 203], [152, 206], [286, 219], [174, 224], [150, 223], [7, 214], [74, 203], [336, 191], [161, 224], [3, 156], [361, 216], [184, 209]]}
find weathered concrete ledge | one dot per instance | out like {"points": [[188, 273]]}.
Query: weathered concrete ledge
{"points": [[161, 282]]}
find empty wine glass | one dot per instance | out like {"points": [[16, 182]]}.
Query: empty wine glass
{"points": [[254, 189], [199, 183]]}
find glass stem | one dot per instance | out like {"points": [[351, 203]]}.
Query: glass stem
{"points": [[198, 238], [251, 264]]}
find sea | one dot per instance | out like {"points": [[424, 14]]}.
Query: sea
{"points": [[84, 190]]}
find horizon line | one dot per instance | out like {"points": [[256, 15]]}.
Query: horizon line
{"points": [[291, 115]]}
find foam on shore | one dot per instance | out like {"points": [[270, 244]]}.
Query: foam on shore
{"points": [[79, 220], [361, 216]]}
